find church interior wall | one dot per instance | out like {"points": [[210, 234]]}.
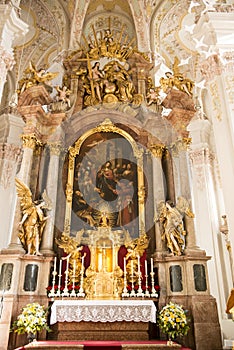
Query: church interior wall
{"points": [[202, 173]]}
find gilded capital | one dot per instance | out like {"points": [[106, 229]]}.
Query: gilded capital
{"points": [[157, 150], [30, 141]]}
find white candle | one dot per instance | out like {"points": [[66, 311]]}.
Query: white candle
{"points": [[152, 265], [146, 272], [139, 266], [60, 267], [124, 265], [55, 262]]}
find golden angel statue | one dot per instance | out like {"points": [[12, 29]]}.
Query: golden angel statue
{"points": [[170, 219], [73, 249], [176, 80], [33, 220], [33, 77]]}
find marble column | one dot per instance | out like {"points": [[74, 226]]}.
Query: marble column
{"points": [[183, 188], [29, 144], [51, 189], [158, 188]]}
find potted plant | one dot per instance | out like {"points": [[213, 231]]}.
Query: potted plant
{"points": [[32, 319], [172, 321]]}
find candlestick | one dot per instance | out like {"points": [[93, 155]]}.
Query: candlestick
{"points": [[81, 291], [65, 292], [147, 294], [132, 294], [152, 265], [140, 291], [139, 267], [59, 278], [55, 262], [154, 294], [125, 290], [73, 293], [54, 273]]}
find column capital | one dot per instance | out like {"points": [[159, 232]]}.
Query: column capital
{"points": [[157, 150], [30, 141], [55, 148], [201, 156], [182, 144]]}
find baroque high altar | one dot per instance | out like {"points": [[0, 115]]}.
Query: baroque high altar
{"points": [[115, 220]]}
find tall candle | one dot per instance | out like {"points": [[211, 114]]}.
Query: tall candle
{"points": [[152, 265], [124, 265], [55, 262], [146, 272], [139, 267], [60, 267]]}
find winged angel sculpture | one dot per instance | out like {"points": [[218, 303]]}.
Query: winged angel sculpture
{"points": [[171, 223], [33, 219]]}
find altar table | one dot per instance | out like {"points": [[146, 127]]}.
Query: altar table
{"points": [[102, 319]]}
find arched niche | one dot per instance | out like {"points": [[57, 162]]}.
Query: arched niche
{"points": [[105, 181]]}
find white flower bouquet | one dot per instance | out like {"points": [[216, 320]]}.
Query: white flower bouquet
{"points": [[172, 320], [32, 320]]}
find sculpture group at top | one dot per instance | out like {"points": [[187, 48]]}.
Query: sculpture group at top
{"points": [[104, 69]]}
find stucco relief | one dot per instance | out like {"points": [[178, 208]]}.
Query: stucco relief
{"points": [[140, 26], [49, 34], [216, 102], [201, 160], [229, 80], [77, 23], [166, 30], [211, 67], [9, 158], [6, 59]]}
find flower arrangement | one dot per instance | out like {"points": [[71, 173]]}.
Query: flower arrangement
{"points": [[32, 320], [172, 320]]}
